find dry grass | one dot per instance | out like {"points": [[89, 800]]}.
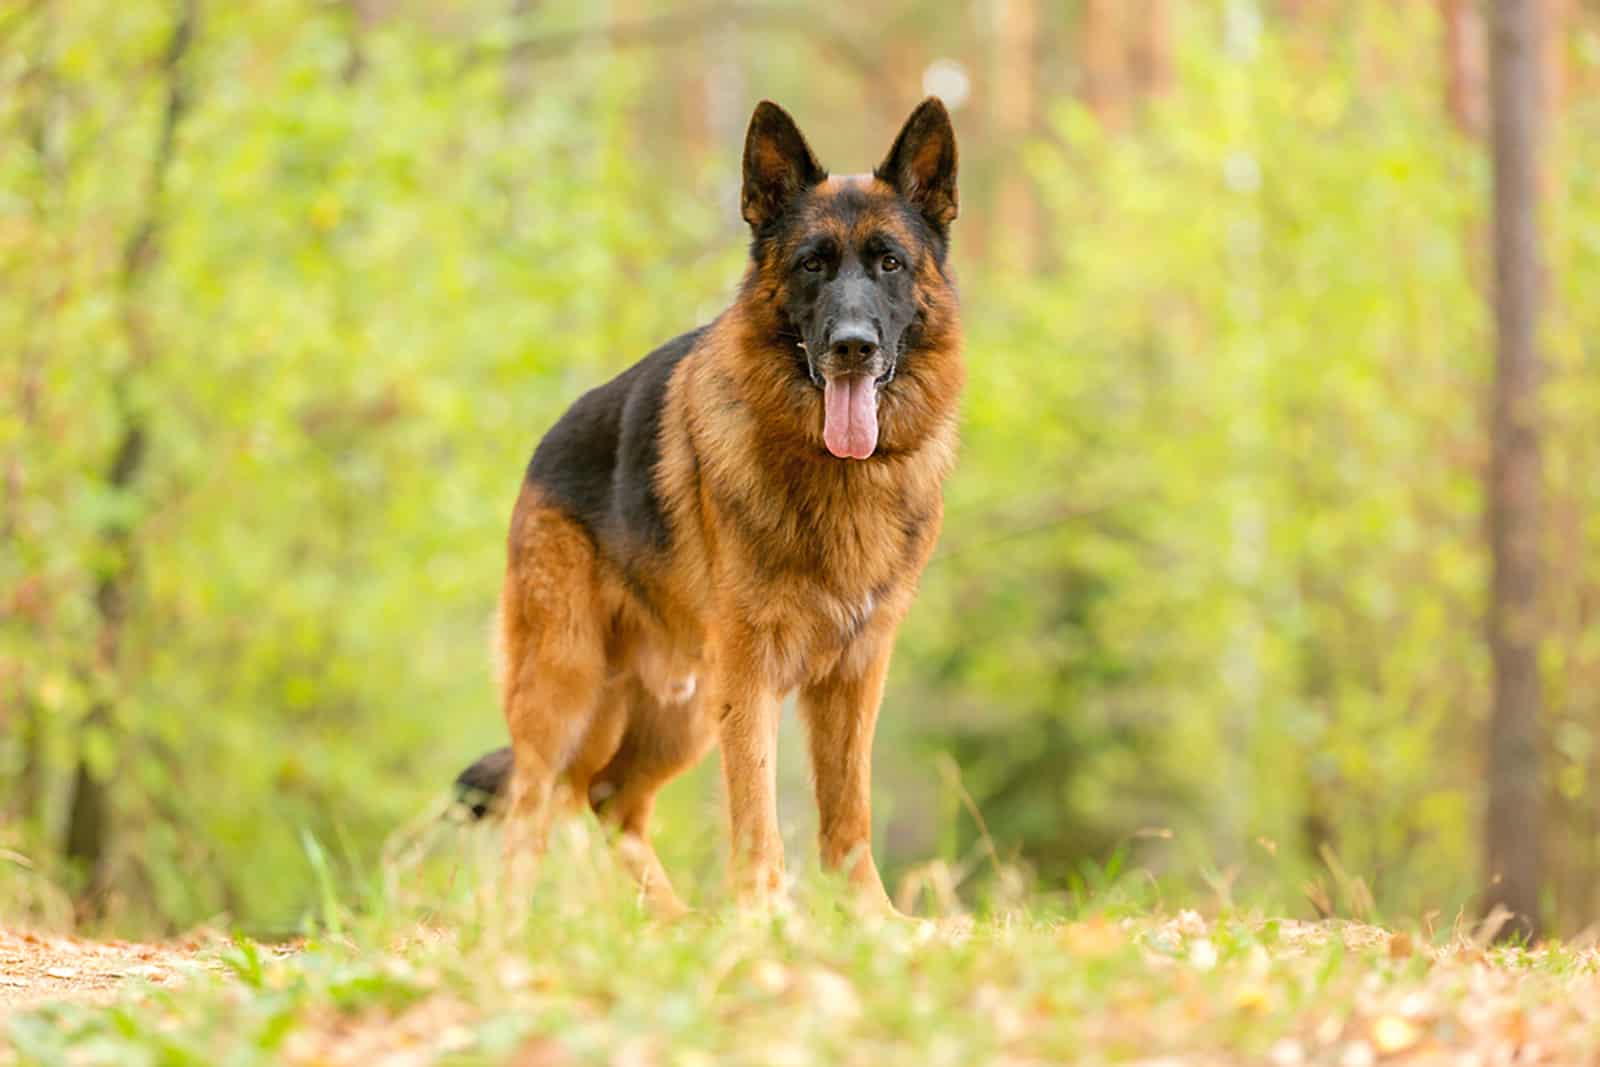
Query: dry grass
{"points": [[586, 979]]}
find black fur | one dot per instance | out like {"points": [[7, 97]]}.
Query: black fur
{"points": [[835, 297], [598, 463], [481, 785], [850, 285]]}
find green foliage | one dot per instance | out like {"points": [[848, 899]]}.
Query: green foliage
{"points": [[1214, 561], [1212, 577], [371, 295]]}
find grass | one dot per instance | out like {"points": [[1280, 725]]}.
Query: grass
{"points": [[434, 971]]}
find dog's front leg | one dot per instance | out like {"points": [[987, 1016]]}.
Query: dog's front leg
{"points": [[747, 710], [841, 713]]}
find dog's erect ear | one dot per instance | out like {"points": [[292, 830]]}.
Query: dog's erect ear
{"points": [[922, 163], [778, 165]]}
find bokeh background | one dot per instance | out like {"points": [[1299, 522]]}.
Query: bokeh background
{"points": [[289, 290]]}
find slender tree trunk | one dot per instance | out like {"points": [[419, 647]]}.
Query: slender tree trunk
{"points": [[1558, 15], [1568, 870], [1513, 825], [905, 59], [1152, 48], [519, 57], [1016, 91], [694, 105], [89, 815], [1587, 826], [1104, 60], [1465, 94], [41, 112]]}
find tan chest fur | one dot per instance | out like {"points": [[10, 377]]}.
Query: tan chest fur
{"points": [[798, 549]]}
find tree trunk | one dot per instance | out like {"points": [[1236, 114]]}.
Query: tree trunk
{"points": [[41, 112], [1464, 90], [89, 814], [1513, 826], [1558, 14], [1152, 48], [1016, 91], [694, 110], [904, 60], [1104, 61], [519, 58]]}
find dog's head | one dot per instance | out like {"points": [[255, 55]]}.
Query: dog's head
{"points": [[852, 262]]}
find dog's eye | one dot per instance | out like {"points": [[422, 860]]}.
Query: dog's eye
{"points": [[890, 263], [812, 264]]}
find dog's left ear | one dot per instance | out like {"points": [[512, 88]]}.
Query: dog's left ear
{"points": [[922, 163], [778, 165]]}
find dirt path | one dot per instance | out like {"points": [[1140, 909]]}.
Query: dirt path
{"points": [[36, 968]]}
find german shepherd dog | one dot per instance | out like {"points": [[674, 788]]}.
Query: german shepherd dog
{"points": [[742, 514]]}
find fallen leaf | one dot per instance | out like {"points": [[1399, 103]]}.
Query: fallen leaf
{"points": [[540, 1052], [990, 1002], [831, 994], [1251, 998], [1357, 1054], [1391, 1034], [769, 976], [1286, 1052], [1095, 939]]}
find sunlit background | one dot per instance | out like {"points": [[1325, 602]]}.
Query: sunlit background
{"points": [[284, 310]]}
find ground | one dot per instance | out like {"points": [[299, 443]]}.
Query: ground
{"points": [[436, 962], [584, 982], [37, 968]]}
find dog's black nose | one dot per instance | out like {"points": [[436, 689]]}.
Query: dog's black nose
{"points": [[854, 341]]}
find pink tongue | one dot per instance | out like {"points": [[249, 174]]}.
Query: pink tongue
{"points": [[850, 416]]}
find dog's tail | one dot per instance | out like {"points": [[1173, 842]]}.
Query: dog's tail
{"points": [[481, 788]]}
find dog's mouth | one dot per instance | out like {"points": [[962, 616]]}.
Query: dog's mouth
{"points": [[850, 397], [850, 414]]}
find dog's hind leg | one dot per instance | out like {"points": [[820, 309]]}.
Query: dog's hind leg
{"points": [[598, 746], [631, 815], [661, 741], [553, 636]]}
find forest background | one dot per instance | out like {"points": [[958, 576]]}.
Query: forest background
{"points": [[291, 289]]}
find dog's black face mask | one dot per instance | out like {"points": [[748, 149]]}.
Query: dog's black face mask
{"points": [[851, 300], [847, 253]]}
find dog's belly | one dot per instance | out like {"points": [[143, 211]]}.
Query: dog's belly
{"points": [[662, 649], [796, 635], [671, 678]]}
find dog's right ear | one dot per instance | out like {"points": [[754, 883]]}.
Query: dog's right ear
{"points": [[922, 163], [778, 165]]}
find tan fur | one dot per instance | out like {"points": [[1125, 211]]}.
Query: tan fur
{"points": [[788, 570]]}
